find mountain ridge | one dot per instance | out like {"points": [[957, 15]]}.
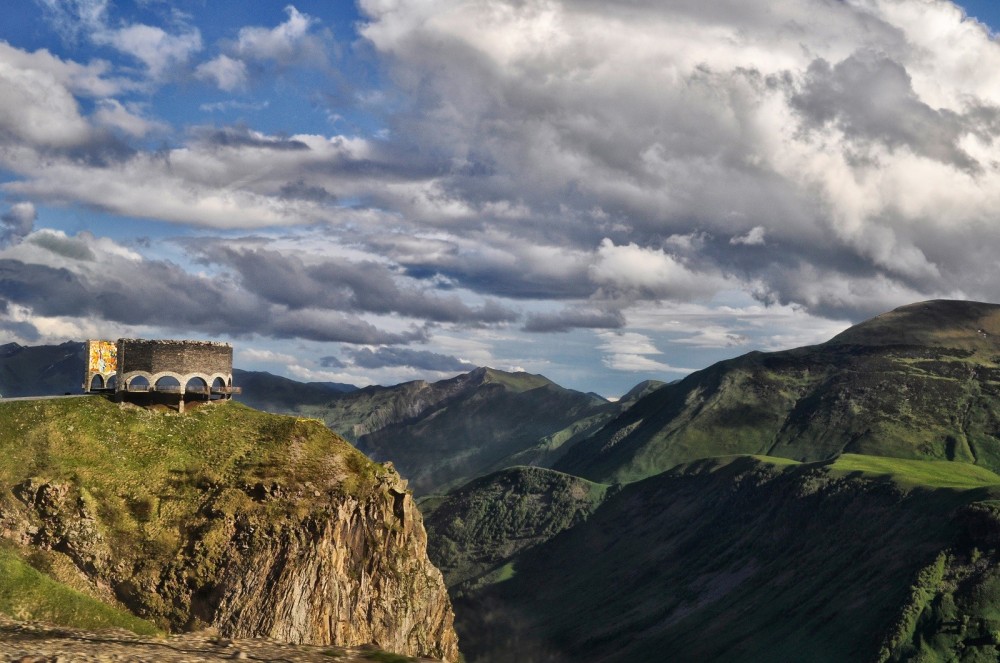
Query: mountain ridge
{"points": [[857, 393], [441, 433]]}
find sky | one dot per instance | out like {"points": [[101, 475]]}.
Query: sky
{"points": [[600, 192]]}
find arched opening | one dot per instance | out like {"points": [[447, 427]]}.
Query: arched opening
{"points": [[196, 385], [218, 383], [112, 382], [138, 383], [168, 384], [97, 382]]}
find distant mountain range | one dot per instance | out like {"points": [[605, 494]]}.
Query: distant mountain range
{"points": [[443, 433], [274, 393], [41, 370]]}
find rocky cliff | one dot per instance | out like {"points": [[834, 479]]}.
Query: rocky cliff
{"points": [[259, 525], [354, 575]]}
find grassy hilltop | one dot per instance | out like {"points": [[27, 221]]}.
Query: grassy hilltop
{"points": [[253, 523], [143, 478]]}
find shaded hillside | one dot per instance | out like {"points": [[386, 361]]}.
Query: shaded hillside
{"points": [[256, 524], [479, 528], [438, 433], [553, 447], [274, 393], [920, 382], [41, 370], [27, 592], [745, 559]]}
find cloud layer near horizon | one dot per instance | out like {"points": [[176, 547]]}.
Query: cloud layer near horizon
{"points": [[544, 166]]}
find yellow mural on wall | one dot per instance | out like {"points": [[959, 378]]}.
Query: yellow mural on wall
{"points": [[103, 357]]}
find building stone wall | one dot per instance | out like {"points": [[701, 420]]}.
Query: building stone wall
{"points": [[178, 357]]}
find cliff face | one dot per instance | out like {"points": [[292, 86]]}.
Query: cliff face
{"points": [[360, 575], [276, 528]]}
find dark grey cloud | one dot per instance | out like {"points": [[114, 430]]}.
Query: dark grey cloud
{"points": [[317, 325], [21, 329], [74, 248], [514, 267], [299, 190], [366, 286], [237, 137], [420, 359], [160, 293], [17, 222], [574, 318], [331, 362], [870, 97]]}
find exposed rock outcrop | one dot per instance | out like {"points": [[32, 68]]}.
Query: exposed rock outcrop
{"points": [[359, 576]]}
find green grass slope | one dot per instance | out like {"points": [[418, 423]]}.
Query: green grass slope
{"points": [[927, 473], [754, 559], [26, 593], [921, 382]]}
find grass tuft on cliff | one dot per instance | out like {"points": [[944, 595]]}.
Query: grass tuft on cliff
{"points": [[26, 593]]}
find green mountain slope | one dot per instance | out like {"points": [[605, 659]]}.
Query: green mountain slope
{"points": [[920, 382], [754, 559], [439, 433], [477, 530]]}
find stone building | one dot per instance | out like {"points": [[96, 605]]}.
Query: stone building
{"points": [[136, 366]]}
